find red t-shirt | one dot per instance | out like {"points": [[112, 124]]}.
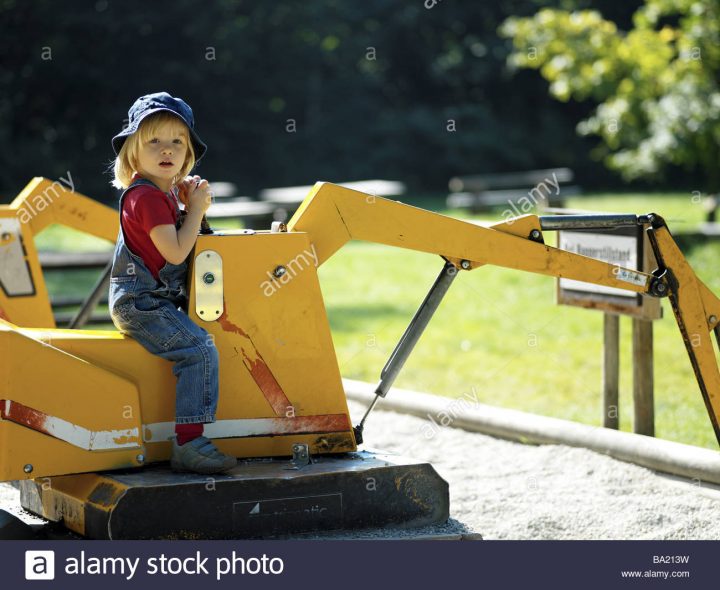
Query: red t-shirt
{"points": [[144, 208]]}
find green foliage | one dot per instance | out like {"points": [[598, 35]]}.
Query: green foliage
{"points": [[655, 86], [370, 86]]}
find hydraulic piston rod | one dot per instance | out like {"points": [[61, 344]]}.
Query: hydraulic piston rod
{"points": [[409, 339], [600, 221]]}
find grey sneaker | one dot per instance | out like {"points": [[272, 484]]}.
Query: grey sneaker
{"points": [[200, 456]]}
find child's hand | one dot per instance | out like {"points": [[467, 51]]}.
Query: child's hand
{"points": [[199, 196], [184, 189]]}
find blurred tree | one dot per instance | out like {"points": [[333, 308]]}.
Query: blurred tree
{"points": [[656, 86], [284, 92]]}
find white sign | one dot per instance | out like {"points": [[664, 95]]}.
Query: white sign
{"points": [[618, 250]]}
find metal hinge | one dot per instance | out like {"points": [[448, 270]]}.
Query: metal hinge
{"points": [[300, 456]]}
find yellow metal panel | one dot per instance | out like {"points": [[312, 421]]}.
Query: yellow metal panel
{"points": [[30, 310], [110, 350], [61, 414], [693, 318], [66, 498], [41, 203], [156, 385], [277, 360], [49, 456], [318, 211], [44, 202], [277, 357], [335, 214]]}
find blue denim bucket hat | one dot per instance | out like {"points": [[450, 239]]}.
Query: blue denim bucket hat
{"points": [[154, 103]]}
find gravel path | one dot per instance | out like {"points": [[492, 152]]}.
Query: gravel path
{"points": [[507, 490]]}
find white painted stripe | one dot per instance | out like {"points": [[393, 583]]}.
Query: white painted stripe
{"points": [[90, 440], [158, 432], [105, 440], [161, 431]]}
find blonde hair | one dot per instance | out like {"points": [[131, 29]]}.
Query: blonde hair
{"points": [[126, 162]]}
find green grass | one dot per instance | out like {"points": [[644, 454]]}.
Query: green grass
{"points": [[499, 331]]}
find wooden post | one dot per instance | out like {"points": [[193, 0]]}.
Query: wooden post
{"points": [[611, 371], [643, 396]]}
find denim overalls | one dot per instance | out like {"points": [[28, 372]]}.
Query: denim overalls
{"points": [[147, 310]]}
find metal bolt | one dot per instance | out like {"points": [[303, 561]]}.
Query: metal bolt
{"points": [[465, 264], [535, 234], [661, 287], [140, 458], [712, 319], [209, 278], [279, 271], [6, 236], [28, 468]]}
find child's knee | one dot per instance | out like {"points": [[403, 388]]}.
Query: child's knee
{"points": [[213, 357], [205, 352]]}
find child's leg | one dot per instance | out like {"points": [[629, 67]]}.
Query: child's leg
{"points": [[172, 335], [196, 369]]}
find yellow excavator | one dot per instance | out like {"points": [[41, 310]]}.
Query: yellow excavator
{"points": [[86, 416]]}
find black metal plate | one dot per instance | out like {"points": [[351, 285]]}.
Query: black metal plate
{"points": [[353, 491]]}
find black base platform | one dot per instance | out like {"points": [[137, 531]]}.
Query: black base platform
{"points": [[262, 499]]}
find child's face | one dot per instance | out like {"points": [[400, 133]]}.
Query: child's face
{"points": [[162, 155]]}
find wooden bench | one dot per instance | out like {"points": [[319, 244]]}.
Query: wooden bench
{"points": [[516, 191], [251, 213], [278, 204]]}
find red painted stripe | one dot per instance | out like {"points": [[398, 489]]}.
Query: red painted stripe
{"points": [[259, 371], [307, 424], [20, 414]]}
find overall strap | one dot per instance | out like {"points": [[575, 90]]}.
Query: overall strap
{"points": [[136, 182]]}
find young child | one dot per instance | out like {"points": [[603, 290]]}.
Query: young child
{"points": [[148, 281]]}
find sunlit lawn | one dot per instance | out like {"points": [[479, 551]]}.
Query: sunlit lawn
{"points": [[497, 331]]}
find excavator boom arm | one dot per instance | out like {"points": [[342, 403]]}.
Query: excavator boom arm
{"points": [[334, 215]]}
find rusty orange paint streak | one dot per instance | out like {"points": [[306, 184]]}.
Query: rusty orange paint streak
{"points": [[20, 414], [306, 424], [3, 315], [260, 372]]}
